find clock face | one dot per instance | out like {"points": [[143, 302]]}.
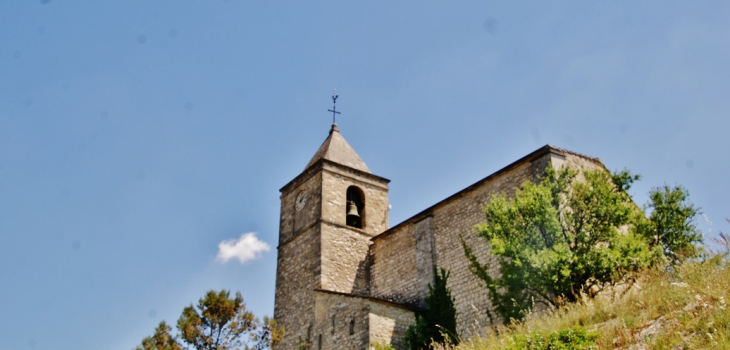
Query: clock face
{"points": [[301, 200]]}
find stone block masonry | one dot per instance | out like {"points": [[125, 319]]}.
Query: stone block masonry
{"points": [[388, 324], [345, 321], [298, 269]]}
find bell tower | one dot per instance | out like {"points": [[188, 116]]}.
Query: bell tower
{"points": [[329, 212]]}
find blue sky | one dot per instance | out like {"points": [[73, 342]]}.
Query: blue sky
{"points": [[136, 136]]}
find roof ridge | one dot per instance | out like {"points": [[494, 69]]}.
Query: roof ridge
{"points": [[336, 149], [574, 153]]}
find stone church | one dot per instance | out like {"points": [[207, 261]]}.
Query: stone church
{"points": [[345, 279]]}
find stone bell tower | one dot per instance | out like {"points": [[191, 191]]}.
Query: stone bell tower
{"points": [[329, 212]]}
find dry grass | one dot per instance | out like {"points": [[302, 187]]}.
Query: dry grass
{"points": [[682, 309]]}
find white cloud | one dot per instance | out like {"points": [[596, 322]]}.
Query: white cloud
{"points": [[246, 248]]}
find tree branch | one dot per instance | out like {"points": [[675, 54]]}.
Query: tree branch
{"points": [[533, 290]]}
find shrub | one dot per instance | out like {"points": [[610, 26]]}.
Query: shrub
{"points": [[436, 324]]}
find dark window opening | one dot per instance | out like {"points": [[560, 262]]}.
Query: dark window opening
{"points": [[319, 343], [352, 327], [355, 208], [333, 324]]}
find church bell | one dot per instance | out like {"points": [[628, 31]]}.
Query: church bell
{"points": [[352, 211]]}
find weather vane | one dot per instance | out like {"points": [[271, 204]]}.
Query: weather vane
{"points": [[334, 106]]}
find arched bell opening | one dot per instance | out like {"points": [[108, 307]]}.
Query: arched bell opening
{"points": [[355, 208]]}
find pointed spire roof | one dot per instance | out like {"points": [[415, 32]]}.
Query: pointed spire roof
{"points": [[337, 150]]}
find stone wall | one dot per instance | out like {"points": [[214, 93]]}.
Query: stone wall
{"points": [[576, 161], [345, 248], [425, 255], [336, 179], [402, 266], [455, 220], [351, 322], [298, 271], [340, 322], [292, 221], [297, 276], [393, 270], [345, 259], [388, 324]]}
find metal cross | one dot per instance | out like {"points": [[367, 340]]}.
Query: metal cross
{"points": [[334, 106]]}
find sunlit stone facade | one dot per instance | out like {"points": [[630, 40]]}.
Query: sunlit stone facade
{"points": [[341, 285]]}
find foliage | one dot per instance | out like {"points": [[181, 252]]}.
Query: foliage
{"points": [[303, 344], [270, 334], [571, 338], [217, 322], [685, 308], [671, 224], [559, 239], [161, 340], [437, 323], [417, 334], [379, 346]]}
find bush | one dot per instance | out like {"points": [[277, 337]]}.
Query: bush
{"points": [[564, 238], [568, 339], [558, 239]]}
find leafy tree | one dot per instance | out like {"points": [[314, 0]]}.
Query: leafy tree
{"points": [[270, 334], [161, 340], [438, 320], [671, 224], [560, 238], [217, 322]]}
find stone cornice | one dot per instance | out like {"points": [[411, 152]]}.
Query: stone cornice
{"points": [[325, 222], [408, 307], [344, 170]]}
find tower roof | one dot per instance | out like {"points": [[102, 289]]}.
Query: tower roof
{"points": [[337, 150]]}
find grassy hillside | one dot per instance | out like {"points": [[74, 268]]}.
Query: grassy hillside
{"points": [[682, 309]]}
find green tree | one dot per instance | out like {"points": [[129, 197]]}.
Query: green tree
{"points": [[161, 340], [438, 320], [217, 322], [560, 238], [671, 225]]}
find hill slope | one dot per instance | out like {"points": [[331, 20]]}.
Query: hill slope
{"points": [[682, 309]]}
